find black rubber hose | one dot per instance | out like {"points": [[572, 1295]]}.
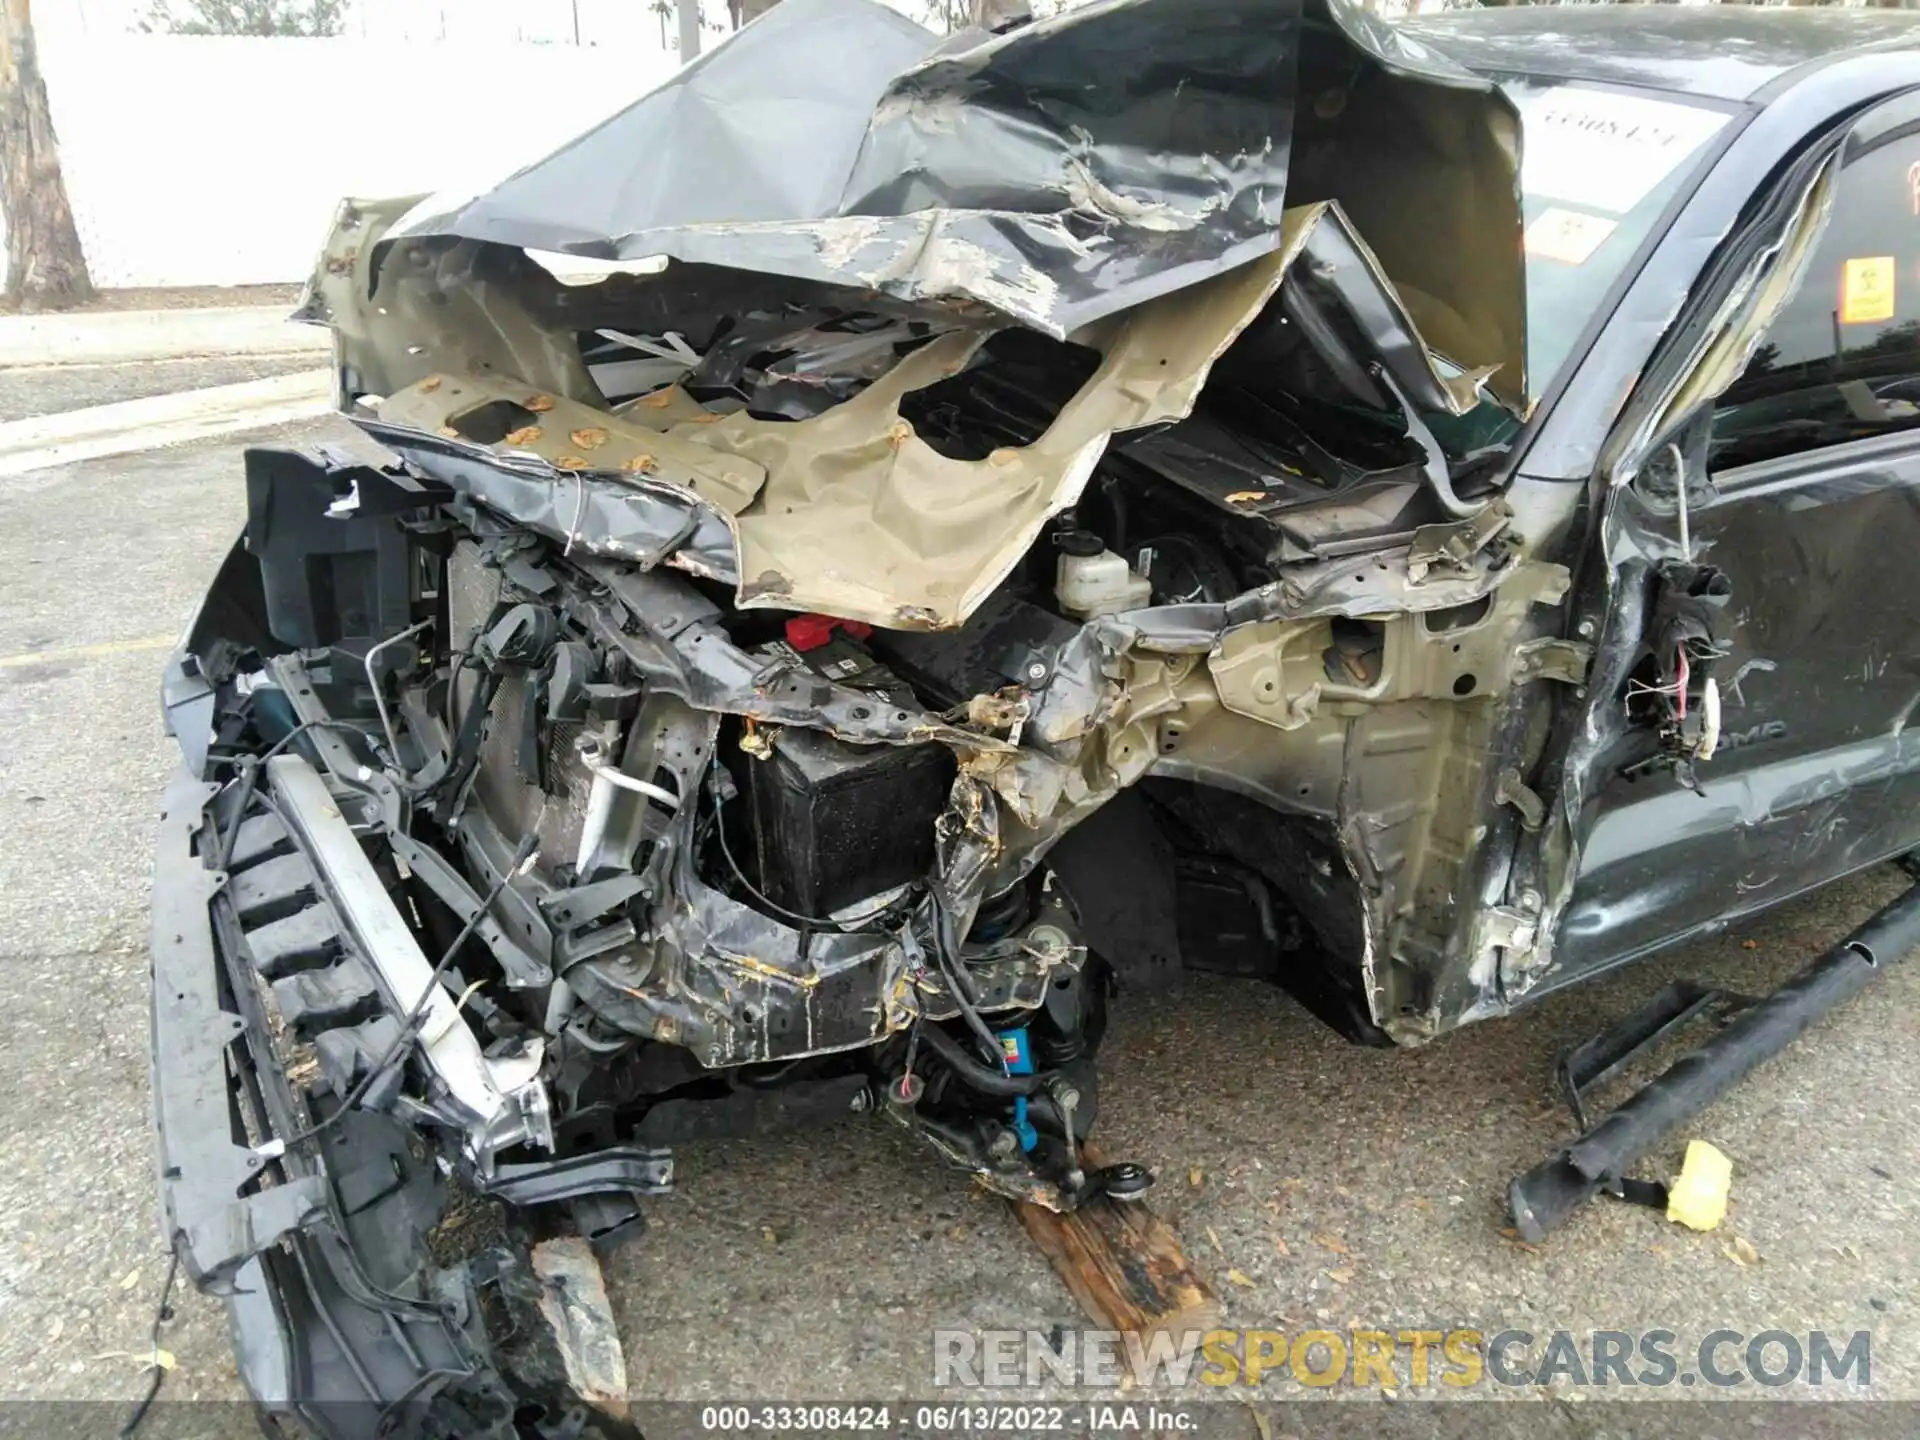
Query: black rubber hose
{"points": [[971, 1072]]}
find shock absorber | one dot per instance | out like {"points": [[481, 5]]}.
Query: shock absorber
{"points": [[1072, 1018]]}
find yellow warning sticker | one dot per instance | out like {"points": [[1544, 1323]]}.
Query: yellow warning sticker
{"points": [[1866, 290], [1567, 235]]}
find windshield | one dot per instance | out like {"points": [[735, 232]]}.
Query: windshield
{"points": [[1598, 168]]}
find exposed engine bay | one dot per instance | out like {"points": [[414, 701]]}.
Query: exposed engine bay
{"points": [[764, 838], [691, 866]]}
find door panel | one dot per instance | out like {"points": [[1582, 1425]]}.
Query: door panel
{"points": [[1811, 508], [1818, 769]]}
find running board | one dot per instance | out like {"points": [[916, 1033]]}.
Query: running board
{"points": [[1543, 1198]]}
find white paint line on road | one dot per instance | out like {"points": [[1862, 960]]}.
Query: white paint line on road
{"points": [[129, 425], [100, 651], [121, 336]]}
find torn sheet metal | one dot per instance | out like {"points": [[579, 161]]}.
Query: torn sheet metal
{"points": [[766, 127], [619, 517], [864, 518], [496, 411], [1749, 310], [1058, 174], [851, 512]]}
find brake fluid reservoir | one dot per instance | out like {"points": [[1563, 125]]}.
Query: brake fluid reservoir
{"points": [[1091, 580]]}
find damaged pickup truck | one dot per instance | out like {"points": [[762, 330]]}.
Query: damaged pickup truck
{"points": [[890, 542]]}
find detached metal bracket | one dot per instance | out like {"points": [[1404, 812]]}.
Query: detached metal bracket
{"points": [[1452, 546], [631, 1168], [1553, 659], [1597, 1060]]}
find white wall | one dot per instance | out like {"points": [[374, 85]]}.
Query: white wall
{"points": [[196, 160], [597, 22], [218, 161]]}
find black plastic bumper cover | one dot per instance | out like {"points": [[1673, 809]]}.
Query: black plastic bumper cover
{"points": [[333, 1326]]}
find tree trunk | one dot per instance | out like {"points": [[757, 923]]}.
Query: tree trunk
{"points": [[46, 268], [994, 14], [744, 11]]}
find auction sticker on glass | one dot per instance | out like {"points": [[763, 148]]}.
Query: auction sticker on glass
{"points": [[1867, 290], [1603, 150], [1569, 236]]}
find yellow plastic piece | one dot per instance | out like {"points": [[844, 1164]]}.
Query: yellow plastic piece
{"points": [[1698, 1199]]}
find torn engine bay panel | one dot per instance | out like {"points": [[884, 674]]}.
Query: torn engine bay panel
{"points": [[808, 643]]}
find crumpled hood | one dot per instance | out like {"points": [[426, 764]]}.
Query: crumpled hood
{"points": [[1056, 175]]}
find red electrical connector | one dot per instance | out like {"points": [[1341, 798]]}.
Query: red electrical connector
{"points": [[810, 632]]}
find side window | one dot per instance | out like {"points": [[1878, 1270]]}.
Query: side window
{"points": [[1842, 359]]}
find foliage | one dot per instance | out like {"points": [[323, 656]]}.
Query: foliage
{"points": [[942, 16], [246, 17]]}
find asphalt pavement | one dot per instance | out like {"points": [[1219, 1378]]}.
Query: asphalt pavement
{"points": [[1319, 1185]]}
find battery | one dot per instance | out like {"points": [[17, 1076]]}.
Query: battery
{"points": [[836, 823]]}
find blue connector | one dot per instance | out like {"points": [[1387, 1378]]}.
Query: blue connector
{"points": [[1017, 1059]]}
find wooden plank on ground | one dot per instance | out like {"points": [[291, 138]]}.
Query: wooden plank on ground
{"points": [[1124, 1265]]}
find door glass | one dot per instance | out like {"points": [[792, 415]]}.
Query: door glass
{"points": [[1842, 359]]}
